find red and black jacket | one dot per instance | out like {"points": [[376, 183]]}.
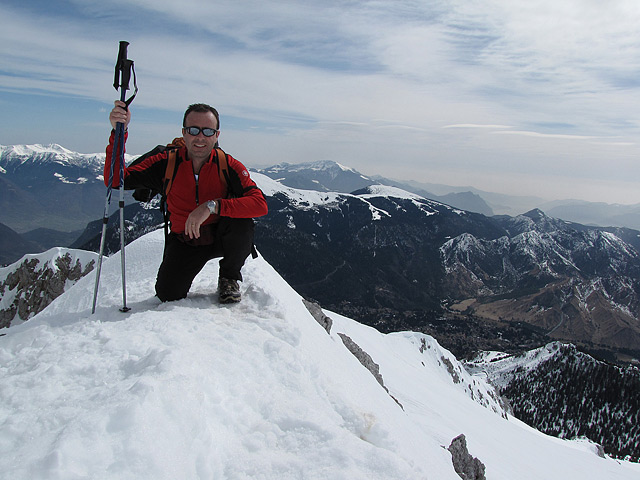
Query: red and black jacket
{"points": [[186, 194]]}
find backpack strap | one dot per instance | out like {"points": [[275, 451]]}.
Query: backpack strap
{"points": [[228, 177], [167, 182], [223, 170], [170, 172]]}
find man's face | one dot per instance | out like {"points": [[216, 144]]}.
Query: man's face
{"points": [[199, 147]]}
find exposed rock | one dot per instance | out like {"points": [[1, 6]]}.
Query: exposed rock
{"points": [[455, 376], [364, 358], [36, 285], [466, 466], [318, 314]]}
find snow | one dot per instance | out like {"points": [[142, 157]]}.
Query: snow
{"points": [[41, 262], [301, 198], [498, 366], [52, 153], [311, 198], [63, 179], [322, 165], [197, 390], [388, 191]]}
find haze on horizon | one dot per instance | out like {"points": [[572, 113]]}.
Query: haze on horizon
{"points": [[530, 98]]}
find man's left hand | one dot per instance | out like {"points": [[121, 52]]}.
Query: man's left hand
{"points": [[195, 219]]}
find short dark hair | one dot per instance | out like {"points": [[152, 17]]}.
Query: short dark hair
{"points": [[201, 108]]}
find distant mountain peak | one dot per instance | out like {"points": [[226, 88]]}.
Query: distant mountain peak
{"points": [[321, 175], [44, 154], [387, 191], [28, 150], [319, 165], [330, 165], [535, 214]]}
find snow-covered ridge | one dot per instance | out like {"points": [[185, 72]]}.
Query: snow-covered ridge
{"points": [[48, 154], [321, 165], [498, 366], [311, 198], [301, 198], [388, 191], [52, 153], [37, 149], [193, 389], [30, 284]]}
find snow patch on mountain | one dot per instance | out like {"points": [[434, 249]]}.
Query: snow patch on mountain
{"points": [[301, 198], [387, 191], [52, 153], [320, 166], [63, 179], [498, 367]]}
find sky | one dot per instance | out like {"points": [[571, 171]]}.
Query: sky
{"points": [[520, 97]]}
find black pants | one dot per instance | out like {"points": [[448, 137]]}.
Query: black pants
{"points": [[181, 262]]}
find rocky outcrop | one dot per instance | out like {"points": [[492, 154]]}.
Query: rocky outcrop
{"points": [[316, 312], [466, 466], [364, 358], [33, 284]]}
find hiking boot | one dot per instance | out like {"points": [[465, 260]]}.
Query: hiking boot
{"points": [[229, 290]]}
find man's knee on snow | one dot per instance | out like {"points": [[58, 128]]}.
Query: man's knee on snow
{"points": [[168, 293]]}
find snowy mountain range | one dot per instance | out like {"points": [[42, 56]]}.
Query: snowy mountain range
{"points": [[194, 389], [333, 177], [328, 176], [395, 260], [48, 186]]}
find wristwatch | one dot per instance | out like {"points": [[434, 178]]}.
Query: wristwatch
{"points": [[212, 205]]}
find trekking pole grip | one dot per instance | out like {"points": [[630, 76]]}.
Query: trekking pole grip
{"points": [[122, 66]]}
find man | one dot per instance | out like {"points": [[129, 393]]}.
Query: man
{"points": [[207, 220]]}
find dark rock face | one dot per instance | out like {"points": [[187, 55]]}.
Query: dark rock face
{"points": [[35, 285], [466, 466]]}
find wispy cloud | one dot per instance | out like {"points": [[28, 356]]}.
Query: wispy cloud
{"points": [[543, 135], [433, 83], [473, 125]]}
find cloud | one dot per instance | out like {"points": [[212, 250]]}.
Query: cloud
{"points": [[471, 125], [469, 84], [543, 135]]}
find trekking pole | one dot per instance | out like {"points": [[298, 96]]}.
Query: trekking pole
{"points": [[123, 70]]}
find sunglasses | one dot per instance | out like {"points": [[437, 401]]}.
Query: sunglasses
{"points": [[207, 132]]}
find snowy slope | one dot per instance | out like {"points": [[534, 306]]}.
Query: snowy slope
{"points": [[499, 366], [12, 155], [196, 390], [30, 284]]}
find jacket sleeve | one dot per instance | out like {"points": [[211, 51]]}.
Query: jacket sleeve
{"points": [[147, 172], [107, 162], [251, 203]]}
